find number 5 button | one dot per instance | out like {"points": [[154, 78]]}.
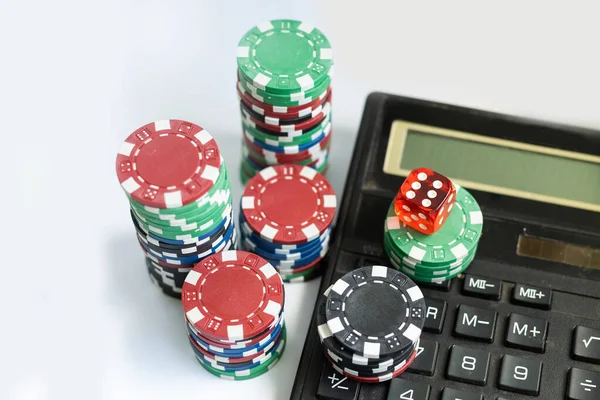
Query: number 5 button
{"points": [[520, 375]]}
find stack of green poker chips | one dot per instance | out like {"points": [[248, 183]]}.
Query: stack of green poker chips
{"points": [[440, 256], [193, 220], [284, 78]]}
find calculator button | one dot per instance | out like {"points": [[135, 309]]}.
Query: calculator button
{"points": [[468, 365], [475, 323], [427, 354], [532, 296], [333, 386], [453, 394], [583, 385], [401, 389], [526, 333], [586, 345], [443, 286], [478, 286], [520, 375], [436, 313]]}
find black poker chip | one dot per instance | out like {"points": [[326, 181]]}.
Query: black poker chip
{"points": [[347, 358], [383, 313], [166, 250], [363, 311]]}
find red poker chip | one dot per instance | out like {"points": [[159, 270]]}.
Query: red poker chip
{"points": [[264, 109], [232, 295], [168, 163], [383, 378], [281, 109], [292, 130], [289, 204], [241, 344]]}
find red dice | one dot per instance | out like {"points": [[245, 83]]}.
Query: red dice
{"points": [[425, 200]]}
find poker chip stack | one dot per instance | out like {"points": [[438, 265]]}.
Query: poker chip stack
{"points": [[233, 303], [284, 77], [286, 216], [441, 255], [180, 198], [369, 323]]}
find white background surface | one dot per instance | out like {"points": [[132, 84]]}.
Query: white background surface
{"points": [[80, 317]]}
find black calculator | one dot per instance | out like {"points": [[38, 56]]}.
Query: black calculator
{"points": [[523, 321]]}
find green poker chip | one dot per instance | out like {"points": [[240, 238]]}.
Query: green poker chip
{"points": [[284, 56], [421, 274], [272, 98], [455, 240], [423, 268], [425, 279], [195, 229]]}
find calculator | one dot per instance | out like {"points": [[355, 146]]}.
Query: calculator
{"points": [[523, 321]]}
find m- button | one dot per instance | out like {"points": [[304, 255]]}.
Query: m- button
{"points": [[475, 323]]}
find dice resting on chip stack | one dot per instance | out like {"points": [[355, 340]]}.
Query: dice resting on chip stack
{"points": [[432, 227]]}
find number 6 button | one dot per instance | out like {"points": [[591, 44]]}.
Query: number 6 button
{"points": [[520, 375]]}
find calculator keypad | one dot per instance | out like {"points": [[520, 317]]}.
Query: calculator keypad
{"points": [[485, 336]]}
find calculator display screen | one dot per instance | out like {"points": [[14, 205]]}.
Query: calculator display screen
{"points": [[497, 166], [558, 251]]}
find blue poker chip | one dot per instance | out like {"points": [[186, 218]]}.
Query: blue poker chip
{"points": [[237, 352], [280, 254], [295, 264], [305, 253]]}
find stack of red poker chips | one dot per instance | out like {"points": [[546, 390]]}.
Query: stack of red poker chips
{"points": [[286, 216]]}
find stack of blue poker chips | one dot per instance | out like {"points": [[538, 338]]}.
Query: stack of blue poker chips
{"points": [[295, 263]]}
